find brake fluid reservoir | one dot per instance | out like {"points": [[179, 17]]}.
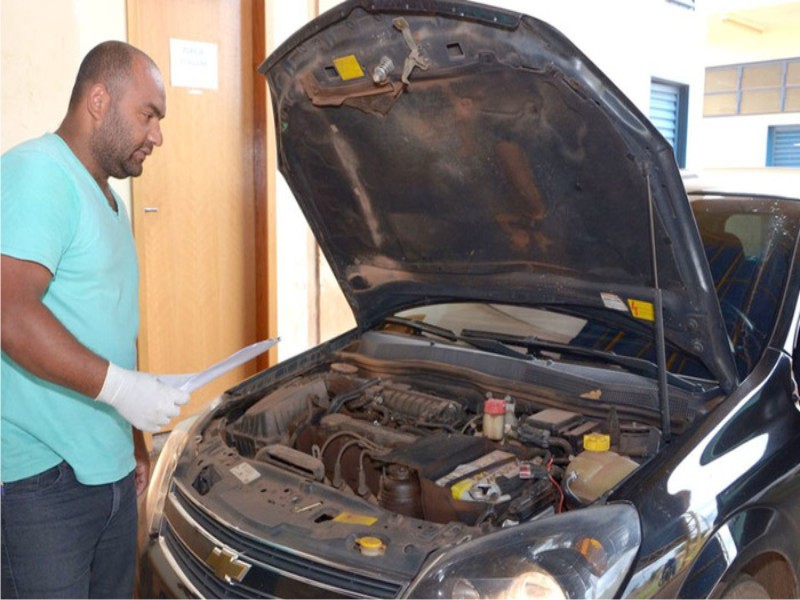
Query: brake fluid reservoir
{"points": [[597, 469]]}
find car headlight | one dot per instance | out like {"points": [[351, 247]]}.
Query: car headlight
{"points": [[581, 554], [162, 473]]}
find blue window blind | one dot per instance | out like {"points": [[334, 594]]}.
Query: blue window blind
{"points": [[783, 146], [668, 105]]}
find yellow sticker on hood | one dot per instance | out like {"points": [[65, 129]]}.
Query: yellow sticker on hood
{"points": [[348, 67], [353, 519], [642, 310]]}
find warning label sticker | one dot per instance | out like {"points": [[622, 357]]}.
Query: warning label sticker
{"points": [[642, 310]]}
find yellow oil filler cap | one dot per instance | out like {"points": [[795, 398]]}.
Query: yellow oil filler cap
{"points": [[371, 546], [596, 442]]}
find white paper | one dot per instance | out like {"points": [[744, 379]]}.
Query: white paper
{"points": [[189, 382], [193, 64]]}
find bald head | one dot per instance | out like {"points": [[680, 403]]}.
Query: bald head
{"points": [[117, 103], [110, 63]]}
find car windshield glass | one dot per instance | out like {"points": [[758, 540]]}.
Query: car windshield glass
{"points": [[579, 327], [749, 244]]}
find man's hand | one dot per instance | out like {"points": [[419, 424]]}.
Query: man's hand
{"points": [[141, 398], [142, 456]]}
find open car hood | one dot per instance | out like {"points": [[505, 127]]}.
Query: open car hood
{"points": [[446, 151]]}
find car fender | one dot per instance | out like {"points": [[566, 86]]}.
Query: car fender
{"points": [[756, 531]]}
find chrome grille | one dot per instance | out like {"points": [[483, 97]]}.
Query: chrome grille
{"points": [[190, 534]]}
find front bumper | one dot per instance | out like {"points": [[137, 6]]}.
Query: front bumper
{"points": [[198, 556], [160, 576]]}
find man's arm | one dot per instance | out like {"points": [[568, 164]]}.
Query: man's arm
{"points": [[35, 339]]}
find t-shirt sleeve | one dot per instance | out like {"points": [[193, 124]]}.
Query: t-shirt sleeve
{"points": [[39, 209]]}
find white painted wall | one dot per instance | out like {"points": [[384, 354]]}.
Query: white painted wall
{"points": [[43, 43], [297, 286], [741, 141]]}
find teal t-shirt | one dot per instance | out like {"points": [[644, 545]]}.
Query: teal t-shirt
{"points": [[54, 213]]}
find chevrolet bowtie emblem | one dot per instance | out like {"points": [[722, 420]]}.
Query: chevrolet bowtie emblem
{"points": [[226, 565]]}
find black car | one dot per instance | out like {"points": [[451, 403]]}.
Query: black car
{"points": [[569, 377]]}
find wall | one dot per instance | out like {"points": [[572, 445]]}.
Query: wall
{"points": [[43, 42], [298, 321], [741, 141]]}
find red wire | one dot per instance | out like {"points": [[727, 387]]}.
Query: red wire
{"points": [[555, 484]]}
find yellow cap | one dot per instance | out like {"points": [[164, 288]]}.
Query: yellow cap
{"points": [[371, 546], [596, 442]]}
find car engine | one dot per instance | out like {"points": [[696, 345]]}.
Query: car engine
{"points": [[431, 446]]}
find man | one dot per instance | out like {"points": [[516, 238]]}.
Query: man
{"points": [[73, 407]]}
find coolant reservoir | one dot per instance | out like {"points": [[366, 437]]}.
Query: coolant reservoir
{"points": [[494, 411], [597, 469]]}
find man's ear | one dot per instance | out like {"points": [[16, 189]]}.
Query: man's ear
{"points": [[97, 101]]}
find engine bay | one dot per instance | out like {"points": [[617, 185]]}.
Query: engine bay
{"points": [[427, 444]]}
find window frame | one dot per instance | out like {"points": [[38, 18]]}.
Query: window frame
{"points": [[773, 131], [681, 117], [784, 87]]}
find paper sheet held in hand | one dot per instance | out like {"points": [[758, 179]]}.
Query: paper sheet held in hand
{"points": [[191, 381]]}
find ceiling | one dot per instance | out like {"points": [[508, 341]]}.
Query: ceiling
{"points": [[759, 16]]}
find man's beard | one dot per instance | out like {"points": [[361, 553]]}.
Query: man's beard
{"points": [[113, 149]]}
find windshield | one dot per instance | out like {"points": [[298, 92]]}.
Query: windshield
{"points": [[574, 326], [749, 244]]}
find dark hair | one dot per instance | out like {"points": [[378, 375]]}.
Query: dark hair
{"points": [[109, 63]]}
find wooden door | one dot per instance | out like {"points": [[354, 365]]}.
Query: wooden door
{"points": [[199, 209]]}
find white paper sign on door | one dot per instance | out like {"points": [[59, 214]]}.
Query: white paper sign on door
{"points": [[193, 64]]}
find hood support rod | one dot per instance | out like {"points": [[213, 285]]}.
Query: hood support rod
{"points": [[661, 354]]}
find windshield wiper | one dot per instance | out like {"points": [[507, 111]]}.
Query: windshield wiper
{"points": [[499, 343], [533, 344], [487, 344], [423, 327]]}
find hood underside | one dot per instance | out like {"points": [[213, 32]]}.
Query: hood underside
{"points": [[446, 151]]}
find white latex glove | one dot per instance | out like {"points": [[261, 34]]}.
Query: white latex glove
{"points": [[143, 400]]}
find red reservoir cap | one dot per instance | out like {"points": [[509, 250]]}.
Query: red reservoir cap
{"points": [[494, 406]]}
